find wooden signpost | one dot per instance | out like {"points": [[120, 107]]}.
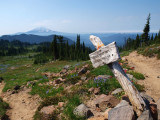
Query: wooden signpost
{"points": [[110, 55]]}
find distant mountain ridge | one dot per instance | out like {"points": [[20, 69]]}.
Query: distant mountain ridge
{"points": [[42, 34], [32, 38]]}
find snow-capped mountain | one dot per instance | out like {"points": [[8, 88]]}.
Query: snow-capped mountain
{"points": [[42, 31]]}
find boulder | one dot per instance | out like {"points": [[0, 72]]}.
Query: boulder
{"points": [[123, 111], [117, 91], [82, 111], [145, 116], [67, 67], [46, 112], [103, 101]]}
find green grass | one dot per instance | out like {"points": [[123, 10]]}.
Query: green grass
{"points": [[150, 51], [139, 87], [105, 87], [71, 104], [137, 75], [125, 53], [102, 70], [3, 107], [45, 90], [26, 71]]}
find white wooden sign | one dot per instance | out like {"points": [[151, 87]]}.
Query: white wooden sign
{"points": [[109, 54], [105, 55]]}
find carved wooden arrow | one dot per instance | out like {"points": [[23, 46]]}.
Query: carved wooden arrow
{"points": [[110, 55]]}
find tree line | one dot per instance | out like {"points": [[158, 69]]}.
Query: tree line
{"points": [[143, 40], [15, 47], [61, 50]]}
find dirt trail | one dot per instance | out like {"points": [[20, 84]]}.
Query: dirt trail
{"points": [[150, 67], [23, 105]]}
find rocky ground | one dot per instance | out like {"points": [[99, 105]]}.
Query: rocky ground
{"points": [[95, 104], [22, 105]]}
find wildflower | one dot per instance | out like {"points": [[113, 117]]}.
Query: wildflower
{"points": [[47, 91]]}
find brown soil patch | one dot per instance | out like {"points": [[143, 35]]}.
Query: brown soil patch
{"points": [[22, 104], [150, 67]]}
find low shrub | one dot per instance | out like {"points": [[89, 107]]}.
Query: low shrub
{"points": [[137, 75], [40, 59]]}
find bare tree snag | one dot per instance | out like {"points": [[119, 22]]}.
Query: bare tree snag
{"points": [[110, 55]]}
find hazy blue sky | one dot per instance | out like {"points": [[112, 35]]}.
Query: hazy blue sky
{"points": [[78, 16]]}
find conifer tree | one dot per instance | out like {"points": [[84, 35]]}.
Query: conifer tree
{"points": [[67, 50], [78, 47], [145, 35], [55, 49]]}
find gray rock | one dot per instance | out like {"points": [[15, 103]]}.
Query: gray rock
{"points": [[130, 76], [117, 91], [123, 111], [122, 103], [149, 98], [145, 116], [67, 67], [82, 111], [158, 104], [83, 78]]}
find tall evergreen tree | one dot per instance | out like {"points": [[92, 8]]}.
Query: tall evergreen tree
{"points": [[55, 49], [145, 35], [78, 47], [158, 37], [67, 50], [61, 55]]}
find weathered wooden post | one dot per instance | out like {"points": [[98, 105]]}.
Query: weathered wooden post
{"points": [[110, 55]]}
